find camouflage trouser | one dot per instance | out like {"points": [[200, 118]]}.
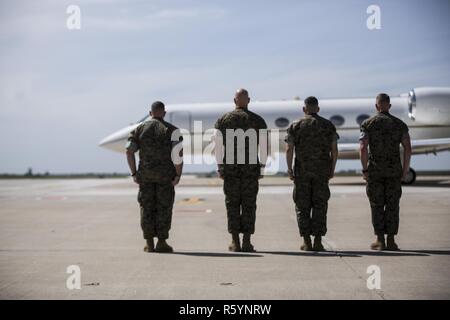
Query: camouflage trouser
{"points": [[240, 200], [156, 202], [311, 194], [384, 196]]}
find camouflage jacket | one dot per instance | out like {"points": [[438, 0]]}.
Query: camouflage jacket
{"points": [[312, 137], [251, 124], [153, 139], [385, 133]]}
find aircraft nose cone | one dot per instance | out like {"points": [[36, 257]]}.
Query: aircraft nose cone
{"points": [[116, 141], [112, 138], [104, 142], [109, 139]]}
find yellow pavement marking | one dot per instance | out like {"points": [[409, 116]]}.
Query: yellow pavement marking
{"points": [[193, 200]]}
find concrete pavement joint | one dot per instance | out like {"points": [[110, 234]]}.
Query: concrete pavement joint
{"points": [[332, 247]]}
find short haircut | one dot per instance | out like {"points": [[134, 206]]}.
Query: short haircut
{"points": [[383, 98], [157, 106], [311, 102], [242, 91]]}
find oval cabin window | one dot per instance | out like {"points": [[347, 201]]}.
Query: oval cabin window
{"points": [[361, 118], [282, 122], [337, 120]]}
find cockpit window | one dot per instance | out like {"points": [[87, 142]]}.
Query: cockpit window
{"points": [[360, 119], [337, 120], [143, 119]]}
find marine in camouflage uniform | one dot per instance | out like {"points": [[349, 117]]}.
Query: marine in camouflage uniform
{"points": [[241, 179], [156, 176], [381, 136], [314, 140]]}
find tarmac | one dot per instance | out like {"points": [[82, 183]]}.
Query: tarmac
{"points": [[47, 225]]}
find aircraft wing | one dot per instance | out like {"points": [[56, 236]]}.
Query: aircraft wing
{"points": [[430, 145], [419, 146], [348, 150]]}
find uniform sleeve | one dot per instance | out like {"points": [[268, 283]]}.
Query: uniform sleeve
{"points": [[133, 140], [334, 136], [290, 139], [405, 130], [218, 124], [263, 124], [364, 132]]}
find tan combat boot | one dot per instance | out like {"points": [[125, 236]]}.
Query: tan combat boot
{"points": [[235, 245], [318, 244], [379, 244], [150, 247], [391, 245], [307, 245], [246, 244], [163, 247]]}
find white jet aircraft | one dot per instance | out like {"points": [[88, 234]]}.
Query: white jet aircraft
{"points": [[426, 111]]}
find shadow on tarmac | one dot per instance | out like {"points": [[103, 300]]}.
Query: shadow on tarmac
{"points": [[219, 254], [421, 182], [310, 253], [400, 253], [324, 254]]}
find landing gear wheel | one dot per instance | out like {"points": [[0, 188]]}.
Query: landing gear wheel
{"points": [[410, 177]]}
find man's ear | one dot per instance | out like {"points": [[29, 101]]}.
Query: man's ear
{"points": [[164, 114], [151, 114], [235, 102], [248, 100], [390, 105], [318, 109], [376, 107], [304, 109]]}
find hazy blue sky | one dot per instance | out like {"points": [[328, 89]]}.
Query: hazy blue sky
{"points": [[61, 91]]}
